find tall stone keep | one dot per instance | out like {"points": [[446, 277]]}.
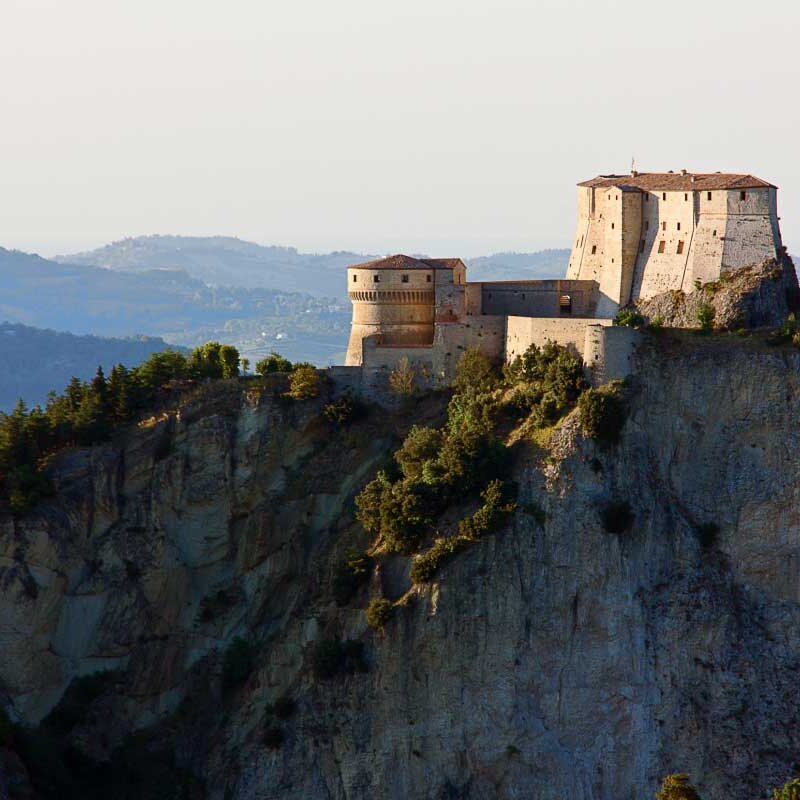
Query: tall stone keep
{"points": [[395, 299], [646, 233]]}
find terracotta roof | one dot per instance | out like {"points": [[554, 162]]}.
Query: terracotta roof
{"points": [[408, 262], [677, 182]]}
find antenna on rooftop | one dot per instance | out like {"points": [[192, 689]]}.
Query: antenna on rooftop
{"points": [[633, 166]]}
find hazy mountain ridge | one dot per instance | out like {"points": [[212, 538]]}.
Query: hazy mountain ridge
{"points": [[231, 261], [33, 361], [226, 260]]}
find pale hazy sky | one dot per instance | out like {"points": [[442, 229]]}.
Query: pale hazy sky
{"points": [[455, 128]]}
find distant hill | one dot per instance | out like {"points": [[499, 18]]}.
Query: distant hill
{"points": [[33, 361], [225, 260], [518, 266], [171, 304]]}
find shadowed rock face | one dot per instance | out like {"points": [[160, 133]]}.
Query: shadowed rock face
{"points": [[549, 661]]}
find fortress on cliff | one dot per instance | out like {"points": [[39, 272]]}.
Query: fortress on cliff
{"points": [[638, 235]]}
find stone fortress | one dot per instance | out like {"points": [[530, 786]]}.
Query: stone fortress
{"points": [[637, 236]]}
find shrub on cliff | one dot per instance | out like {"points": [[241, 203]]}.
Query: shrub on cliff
{"points": [[601, 414], [421, 446], [345, 409], [677, 787], [489, 517], [705, 317], [789, 791], [629, 317], [304, 383], [475, 373], [350, 576], [547, 381], [379, 612]]}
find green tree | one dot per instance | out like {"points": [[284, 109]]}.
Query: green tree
{"points": [[304, 383], [229, 359], [601, 414], [475, 373], [274, 362], [677, 787], [422, 445], [245, 366]]}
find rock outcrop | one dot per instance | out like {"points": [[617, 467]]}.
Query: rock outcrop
{"points": [[552, 660], [761, 295]]}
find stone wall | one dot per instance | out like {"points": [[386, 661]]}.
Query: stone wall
{"points": [[522, 332], [538, 298]]}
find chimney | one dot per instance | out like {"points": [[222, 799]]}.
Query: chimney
{"points": [[683, 172], [693, 178], [634, 173]]}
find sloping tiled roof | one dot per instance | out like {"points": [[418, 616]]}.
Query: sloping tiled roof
{"points": [[408, 262], [677, 182]]}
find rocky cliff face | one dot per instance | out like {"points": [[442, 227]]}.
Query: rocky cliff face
{"points": [[552, 660]]}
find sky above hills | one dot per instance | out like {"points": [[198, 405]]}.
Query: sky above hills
{"points": [[451, 128]]}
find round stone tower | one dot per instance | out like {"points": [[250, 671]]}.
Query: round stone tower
{"points": [[395, 299]]}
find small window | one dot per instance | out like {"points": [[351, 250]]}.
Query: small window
{"points": [[612, 226], [663, 195], [565, 304], [715, 232], [685, 196], [663, 226], [680, 247], [708, 195], [376, 278], [429, 280], [355, 278], [404, 278], [679, 225], [616, 197], [743, 195], [594, 249], [609, 197], [662, 246]]}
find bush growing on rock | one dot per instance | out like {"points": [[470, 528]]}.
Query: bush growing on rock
{"points": [[304, 383], [345, 409], [350, 576], [475, 373], [677, 787], [705, 317], [601, 414], [379, 612], [629, 317], [789, 791]]}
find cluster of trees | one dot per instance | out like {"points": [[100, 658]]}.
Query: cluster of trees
{"points": [[436, 467], [87, 412]]}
